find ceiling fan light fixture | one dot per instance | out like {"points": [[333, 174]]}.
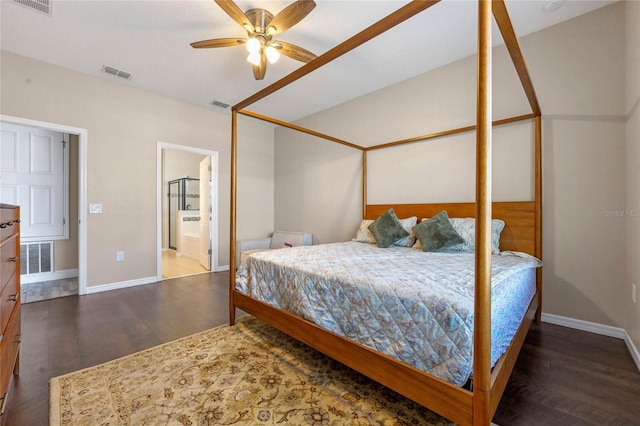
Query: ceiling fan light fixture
{"points": [[261, 25], [254, 58], [253, 45], [272, 54]]}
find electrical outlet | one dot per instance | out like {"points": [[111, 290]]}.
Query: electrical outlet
{"points": [[95, 208], [119, 256], [633, 293]]}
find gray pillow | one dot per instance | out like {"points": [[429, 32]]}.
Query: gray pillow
{"points": [[387, 229], [437, 233]]}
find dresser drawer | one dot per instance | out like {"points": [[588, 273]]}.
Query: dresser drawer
{"points": [[9, 348], [8, 213], [8, 222], [8, 261], [9, 297]]}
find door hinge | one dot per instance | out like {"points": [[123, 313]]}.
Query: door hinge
{"points": [[64, 144], [64, 221], [209, 251]]}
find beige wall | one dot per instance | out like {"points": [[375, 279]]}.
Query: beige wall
{"points": [[255, 189], [123, 127], [318, 187], [578, 71], [632, 322]]}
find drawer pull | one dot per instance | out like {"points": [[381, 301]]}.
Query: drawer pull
{"points": [[13, 259], [3, 225], [17, 221], [13, 297]]}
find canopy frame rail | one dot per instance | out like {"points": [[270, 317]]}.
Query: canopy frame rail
{"points": [[422, 138], [511, 41], [386, 23]]}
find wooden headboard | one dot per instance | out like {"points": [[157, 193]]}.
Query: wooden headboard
{"points": [[519, 233]]}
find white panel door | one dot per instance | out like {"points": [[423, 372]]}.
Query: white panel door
{"points": [[33, 176], [205, 212], [8, 165]]}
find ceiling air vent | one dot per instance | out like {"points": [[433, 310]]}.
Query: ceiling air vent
{"points": [[220, 104], [42, 6], [117, 72]]}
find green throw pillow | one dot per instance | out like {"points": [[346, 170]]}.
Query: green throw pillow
{"points": [[437, 233], [387, 229]]}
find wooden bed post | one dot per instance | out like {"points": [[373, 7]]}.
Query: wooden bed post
{"points": [[364, 183], [482, 317], [538, 201], [232, 218]]}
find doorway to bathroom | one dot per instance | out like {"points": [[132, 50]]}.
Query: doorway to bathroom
{"points": [[187, 211]]}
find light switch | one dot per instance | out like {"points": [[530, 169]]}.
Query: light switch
{"points": [[95, 208]]}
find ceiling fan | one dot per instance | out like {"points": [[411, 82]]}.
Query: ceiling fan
{"points": [[261, 26]]}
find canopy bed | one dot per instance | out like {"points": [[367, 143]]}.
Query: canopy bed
{"points": [[522, 233]]}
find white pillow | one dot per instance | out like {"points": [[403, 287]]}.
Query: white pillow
{"points": [[363, 234], [286, 239], [466, 228]]}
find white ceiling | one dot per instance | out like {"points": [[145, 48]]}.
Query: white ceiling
{"points": [[150, 39]]}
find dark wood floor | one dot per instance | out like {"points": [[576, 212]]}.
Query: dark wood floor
{"points": [[562, 377]]}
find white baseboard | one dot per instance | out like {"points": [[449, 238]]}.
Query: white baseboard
{"points": [[632, 349], [592, 327], [132, 283], [119, 285], [48, 276]]}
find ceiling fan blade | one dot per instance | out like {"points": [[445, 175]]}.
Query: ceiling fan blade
{"points": [[289, 16], [260, 70], [218, 42], [293, 51], [236, 14]]}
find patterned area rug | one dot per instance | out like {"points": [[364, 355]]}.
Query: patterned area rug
{"points": [[248, 374]]}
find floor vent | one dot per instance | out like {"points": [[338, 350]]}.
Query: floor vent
{"points": [[42, 6], [117, 72], [36, 258]]}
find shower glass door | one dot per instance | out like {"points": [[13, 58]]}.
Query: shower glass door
{"points": [[184, 194], [174, 199]]}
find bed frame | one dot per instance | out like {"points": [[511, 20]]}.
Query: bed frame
{"points": [[523, 232]]}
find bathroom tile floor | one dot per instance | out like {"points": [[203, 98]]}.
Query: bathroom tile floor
{"points": [[45, 290], [178, 266]]}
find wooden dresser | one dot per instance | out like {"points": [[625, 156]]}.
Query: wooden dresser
{"points": [[10, 324]]}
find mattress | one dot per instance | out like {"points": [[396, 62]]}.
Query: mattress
{"points": [[412, 305]]}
